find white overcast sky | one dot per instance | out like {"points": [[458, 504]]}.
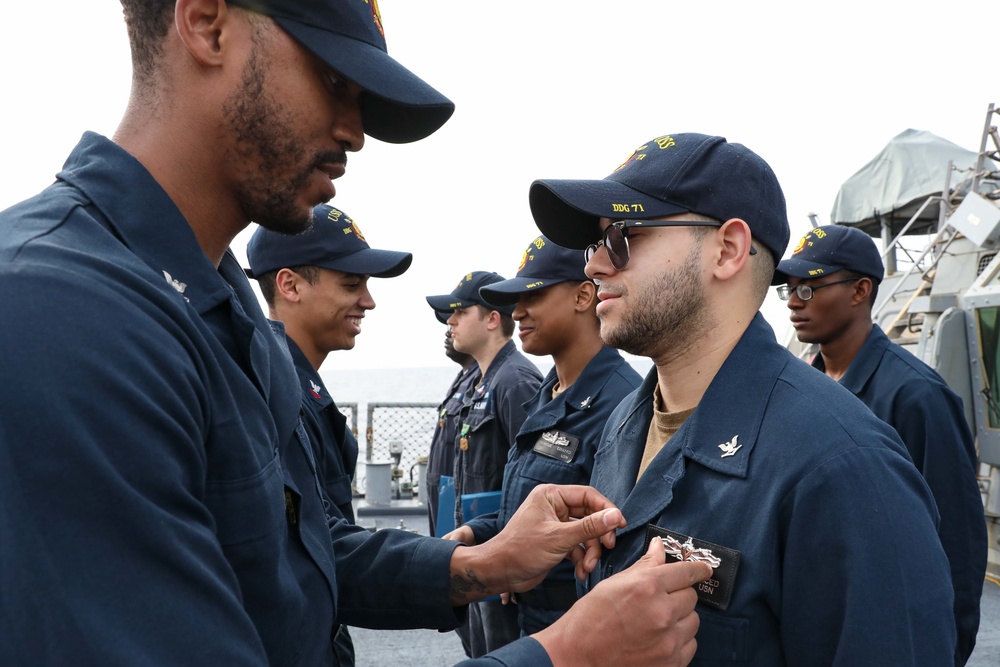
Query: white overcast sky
{"points": [[555, 89]]}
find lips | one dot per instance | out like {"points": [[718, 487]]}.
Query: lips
{"points": [[331, 171]]}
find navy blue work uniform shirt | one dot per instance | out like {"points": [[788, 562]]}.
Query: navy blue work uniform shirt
{"points": [[556, 445], [491, 416], [158, 496], [911, 397], [335, 452], [334, 446], [441, 460], [825, 532]]}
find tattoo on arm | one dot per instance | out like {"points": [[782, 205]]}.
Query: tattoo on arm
{"points": [[463, 586]]}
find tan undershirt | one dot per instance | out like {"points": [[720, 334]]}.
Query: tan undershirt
{"points": [[661, 429]]}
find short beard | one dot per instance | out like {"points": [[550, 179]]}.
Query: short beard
{"points": [[668, 313], [277, 165]]}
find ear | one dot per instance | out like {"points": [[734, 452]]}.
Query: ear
{"points": [[731, 250], [288, 285], [202, 26], [862, 291], [493, 321], [585, 296]]}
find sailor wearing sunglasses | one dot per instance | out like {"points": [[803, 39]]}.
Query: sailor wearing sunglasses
{"points": [[820, 531]]}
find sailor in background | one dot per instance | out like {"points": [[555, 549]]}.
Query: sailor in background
{"points": [[830, 283], [491, 416], [556, 315], [316, 285], [441, 459]]}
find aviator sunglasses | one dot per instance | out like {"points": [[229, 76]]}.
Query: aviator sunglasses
{"points": [[615, 239]]}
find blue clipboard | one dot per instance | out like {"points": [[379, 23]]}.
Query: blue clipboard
{"points": [[446, 507]]}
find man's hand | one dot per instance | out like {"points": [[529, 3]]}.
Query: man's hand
{"points": [[641, 616], [541, 534], [462, 534]]}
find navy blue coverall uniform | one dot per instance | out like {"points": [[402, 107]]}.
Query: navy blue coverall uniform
{"points": [[491, 416], [556, 445], [158, 495], [911, 397], [825, 532], [441, 460], [335, 450]]}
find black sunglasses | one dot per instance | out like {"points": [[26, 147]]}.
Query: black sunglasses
{"points": [[615, 239]]}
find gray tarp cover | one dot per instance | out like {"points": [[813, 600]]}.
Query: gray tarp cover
{"points": [[898, 180]]}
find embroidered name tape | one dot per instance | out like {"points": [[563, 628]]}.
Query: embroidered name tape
{"points": [[718, 589]]}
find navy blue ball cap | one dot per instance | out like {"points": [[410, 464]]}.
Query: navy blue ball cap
{"points": [[466, 294], [333, 242], [442, 316], [829, 249], [543, 264], [670, 175], [398, 106]]}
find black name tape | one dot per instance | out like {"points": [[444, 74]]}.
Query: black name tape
{"points": [[718, 589], [557, 445]]}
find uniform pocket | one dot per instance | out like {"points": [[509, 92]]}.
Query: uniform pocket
{"points": [[248, 509], [722, 640], [339, 490]]}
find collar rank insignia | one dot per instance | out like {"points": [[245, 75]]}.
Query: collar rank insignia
{"points": [[730, 448], [315, 389], [585, 403], [176, 284]]}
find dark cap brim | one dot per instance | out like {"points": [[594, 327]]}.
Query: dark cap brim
{"points": [[508, 292], [398, 107], [447, 303], [371, 262], [798, 268], [568, 211]]}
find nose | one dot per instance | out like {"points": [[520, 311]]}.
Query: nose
{"points": [[366, 301], [451, 322], [348, 125], [519, 312], [599, 265], [794, 302]]}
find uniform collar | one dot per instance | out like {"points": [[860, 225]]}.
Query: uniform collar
{"points": [[582, 393], [730, 413], [865, 362], [148, 222], [497, 361], [545, 412], [587, 387], [312, 384]]}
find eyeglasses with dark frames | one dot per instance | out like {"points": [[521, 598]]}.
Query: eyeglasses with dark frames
{"points": [[615, 239], [805, 292]]}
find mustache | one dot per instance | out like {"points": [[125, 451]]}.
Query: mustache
{"points": [[331, 157]]}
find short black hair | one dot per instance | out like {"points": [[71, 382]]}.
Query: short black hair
{"points": [[268, 281], [854, 275], [147, 22]]}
